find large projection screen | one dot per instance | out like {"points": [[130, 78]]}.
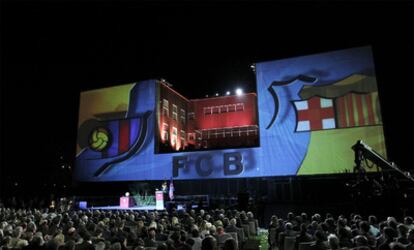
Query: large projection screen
{"points": [[307, 113]]}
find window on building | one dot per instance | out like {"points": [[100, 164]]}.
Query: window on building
{"points": [[216, 110], [182, 116], [174, 136], [165, 107], [198, 135], [191, 116], [239, 107], [182, 139], [207, 110], [174, 112], [191, 136], [164, 134]]}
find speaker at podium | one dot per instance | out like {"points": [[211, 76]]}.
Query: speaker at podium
{"points": [[126, 201]]}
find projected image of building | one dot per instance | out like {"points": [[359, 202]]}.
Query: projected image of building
{"points": [[207, 123]]}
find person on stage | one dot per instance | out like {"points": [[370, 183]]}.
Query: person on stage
{"points": [[164, 187]]}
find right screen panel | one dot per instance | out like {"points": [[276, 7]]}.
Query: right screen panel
{"points": [[314, 108]]}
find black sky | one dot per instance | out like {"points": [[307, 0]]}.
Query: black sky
{"points": [[52, 50]]}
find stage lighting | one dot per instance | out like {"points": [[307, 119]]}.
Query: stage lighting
{"points": [[217, 94], [239, 91], [228, 93], [127, 194]]}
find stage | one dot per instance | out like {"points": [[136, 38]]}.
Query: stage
{"points": [[140, 208]]}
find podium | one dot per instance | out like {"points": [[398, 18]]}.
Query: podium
{"points": [[159, 200], [126, 202]]}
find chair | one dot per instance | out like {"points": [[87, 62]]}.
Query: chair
{"points": [[240, 235], [289, 243], [251, 244], [272, 237], [235, 237], [280, 241], [246, 230], [306, 245], [252, 228]]}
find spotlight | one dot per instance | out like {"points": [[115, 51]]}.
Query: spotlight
{"points": [[253, 67], [239, 91], [228, 93], [217, 94]]}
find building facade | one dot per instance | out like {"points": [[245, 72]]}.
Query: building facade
{"points": [[207, 123]]}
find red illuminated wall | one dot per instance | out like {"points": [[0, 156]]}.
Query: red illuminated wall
{"points": [[226, 116], [227, 121]]}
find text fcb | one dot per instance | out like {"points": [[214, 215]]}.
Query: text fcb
{"points": [[232, 164]]}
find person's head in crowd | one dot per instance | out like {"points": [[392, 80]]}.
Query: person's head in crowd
{"points": [[59, 239], [151, 233], [218, 223], [220, 231], [397, 246], [226, 222], [361, 240], [288, 226], [174, 221], [250, 215], [17, 232], [304, 217], [195, 233], [31, 227], [140, 223], [316, 217], [71, 245], [27, 236], [372, 219], [212, 230], [51, 245], [208, 217], [233, 222], [6, 242], [364, 227], [230, 244], [37, 240], [100, 245], [209, 243], [290, 216], [162, 246], [333, 241], [116, 246], [392, 222]]}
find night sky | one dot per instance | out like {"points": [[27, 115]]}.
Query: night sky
{"points": [[53, 50]]}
